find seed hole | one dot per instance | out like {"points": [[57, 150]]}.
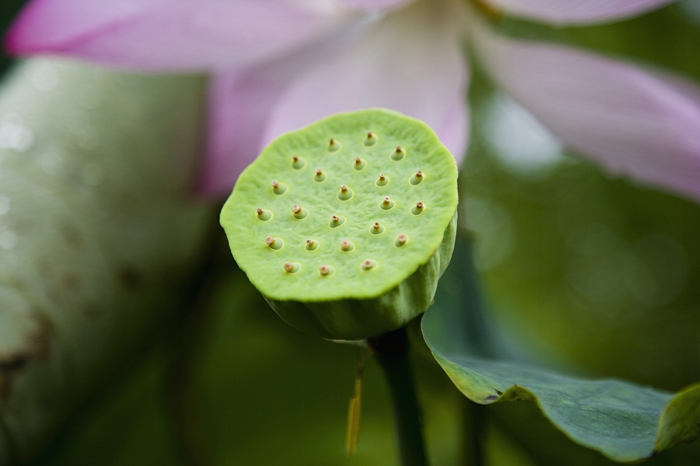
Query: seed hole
{"points": [[319, 175], [298, 163], [311, 245], [418, 208], [336, 221], [278, 188], [291, 267], [325, 270], [376, 228], [333, 145], [359, 164], [274, 243], [263, 215], [383, 180], [345, 193], [398, 154], [400, 240], [299, 212], [417, 178], [368, 264], [346, 245], [386, 203], [370, 139]]}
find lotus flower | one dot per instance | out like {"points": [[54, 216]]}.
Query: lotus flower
{"points": [[277, 65]]}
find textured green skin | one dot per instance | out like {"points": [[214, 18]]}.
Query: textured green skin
{"points": [[105, 234], [351, 303]]}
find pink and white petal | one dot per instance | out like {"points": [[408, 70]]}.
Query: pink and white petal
{"points": [[563, 12], [170, 35], [631, 121], [373, 5], [409, 61], [240, 104]]}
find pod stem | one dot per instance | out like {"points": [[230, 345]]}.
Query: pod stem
{"points": [[391, 351]]}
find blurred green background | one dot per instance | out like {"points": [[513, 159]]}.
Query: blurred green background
{"points": [[588, 273]]}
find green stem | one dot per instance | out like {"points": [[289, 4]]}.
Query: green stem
{"points": [[391, 351]]}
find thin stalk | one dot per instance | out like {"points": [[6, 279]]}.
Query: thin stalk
{"points": [[391, 351]]}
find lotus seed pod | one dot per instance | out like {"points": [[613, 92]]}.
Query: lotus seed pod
{"points": [[378, 192]]}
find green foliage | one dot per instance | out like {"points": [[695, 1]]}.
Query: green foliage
{"points": [[623, 421], [346, 225]]}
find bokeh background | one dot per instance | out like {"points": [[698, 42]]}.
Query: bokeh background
{"points": [[580, 271]]}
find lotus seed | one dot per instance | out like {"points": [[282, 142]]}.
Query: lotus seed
{"points": [[291, 267], [376, 228], [333, 145], [346, 245], [345, 193], [398, 154], [311, 245], [278, 187], [368, 264], [400, 240], [371, 139], [417, 178], [336, 221], [274, 243], [417, 209], [387, 203], [319, 175], [325, 270], [359, 164], [263, 215], [383, 180], [298, 163], [298, 212]]}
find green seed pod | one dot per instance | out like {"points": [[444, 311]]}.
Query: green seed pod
{"points": [[378, 192]]}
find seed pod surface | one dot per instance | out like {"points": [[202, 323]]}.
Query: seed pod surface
{"points": [[380, 283]]}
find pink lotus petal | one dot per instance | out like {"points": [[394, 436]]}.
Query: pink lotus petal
{"points": [[168, 35], [373, 5], [630, 121], [240, 104], [577, 11], [408, 61]]}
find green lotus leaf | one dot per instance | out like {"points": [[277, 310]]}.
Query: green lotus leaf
{"points": [[623, 421], [345, 226]]}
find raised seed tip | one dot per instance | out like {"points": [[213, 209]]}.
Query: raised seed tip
{"points": [[333, 145], [275, 184], [296, 209], [386, 201], [419, 174], [259, 211], [376, 226], [319, 172], [368, 264], [419, 205], [343, 188], [401, 240], [345, 245], [335, 219], [382, 177], [289, 267], [399, 149], [295, 159], [370, 135], [311, 244], [358, 161], [270, 241], [398, 153], [325, 270]]}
